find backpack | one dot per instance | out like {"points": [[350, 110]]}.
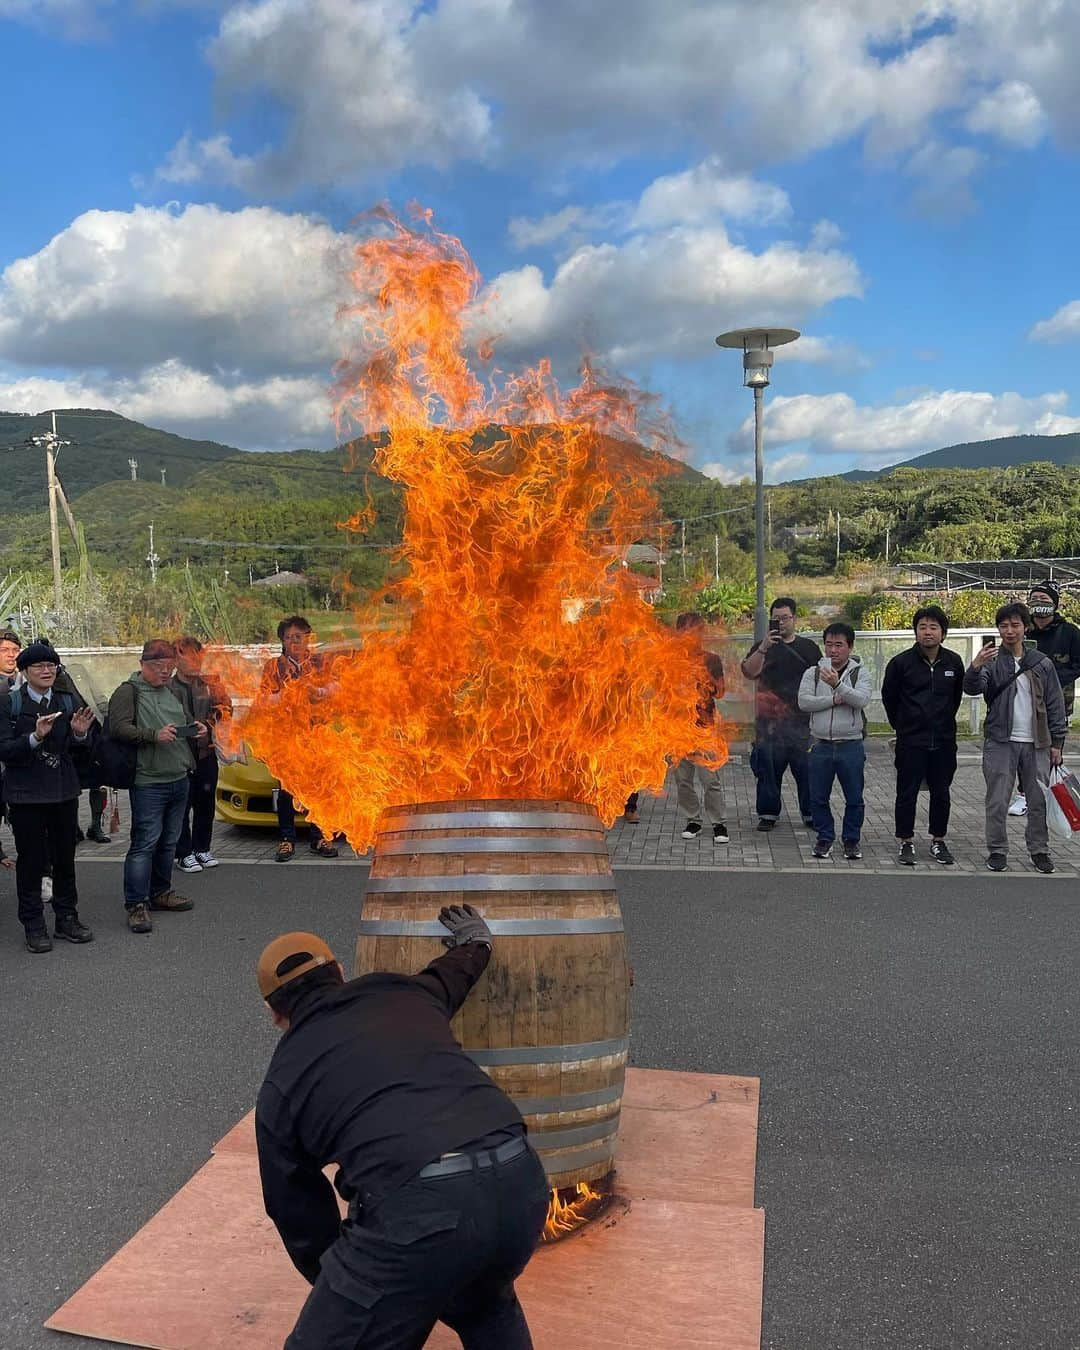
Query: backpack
{"points": [[15, 702], [113, 762], [854, 673], [67, 704]]}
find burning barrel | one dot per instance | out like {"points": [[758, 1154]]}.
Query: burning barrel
{"points": [[549, 1020]]}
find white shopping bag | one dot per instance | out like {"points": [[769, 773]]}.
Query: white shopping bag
{"points": [[1056, 820]]}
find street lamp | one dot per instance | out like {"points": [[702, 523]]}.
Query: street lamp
{"points": [[757, 347]]}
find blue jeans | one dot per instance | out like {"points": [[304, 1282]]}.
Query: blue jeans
{"points": [[829, 761], [780, 745], [157, 815]]}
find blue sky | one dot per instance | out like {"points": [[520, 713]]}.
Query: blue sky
{"points": [[897, 179]]}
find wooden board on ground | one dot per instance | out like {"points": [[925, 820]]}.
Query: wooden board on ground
{"points": [[677, 1264]]}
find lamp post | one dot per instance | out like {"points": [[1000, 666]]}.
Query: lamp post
{"points": [[757, 348]]}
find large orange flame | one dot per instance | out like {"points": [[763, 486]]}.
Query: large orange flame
{"points": [[529, 665]]}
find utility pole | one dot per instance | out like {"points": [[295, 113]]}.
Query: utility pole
{"points": [[51, 443], [153, 559], [886, 545], [716, 547], [683, 523], [251, 575], [133, 465], [768, 511], [838, 538], [163, 477]]}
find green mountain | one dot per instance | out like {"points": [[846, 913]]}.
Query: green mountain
{"points": [[1002, 453]]}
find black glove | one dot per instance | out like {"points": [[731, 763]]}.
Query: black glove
{"points": [[465, 924]]}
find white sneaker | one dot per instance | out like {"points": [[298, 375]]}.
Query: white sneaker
{"points": [[190, 864], [46, 890], [207, 859], [1019, 806]]}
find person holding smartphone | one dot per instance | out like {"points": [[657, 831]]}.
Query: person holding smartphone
{"points": [[40, 732], [150, 713], [1023, 733], [776, 665]]}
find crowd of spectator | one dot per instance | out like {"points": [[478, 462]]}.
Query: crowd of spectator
{"points": [[810, 721]]}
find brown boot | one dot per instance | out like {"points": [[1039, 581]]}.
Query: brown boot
{"points": [[171, 900]]}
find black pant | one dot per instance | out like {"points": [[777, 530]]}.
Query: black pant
{"points": [[286, 819], [914, 763], [198, 828], [442, 1250], [45, 838], [779, 744]]}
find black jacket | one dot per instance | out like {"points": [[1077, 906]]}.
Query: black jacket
{"points": [[921, 700], [1060, 641], [369, 1076], [47, 773]]}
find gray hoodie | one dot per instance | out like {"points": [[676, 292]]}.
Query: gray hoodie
{"points": [[831, 720]]}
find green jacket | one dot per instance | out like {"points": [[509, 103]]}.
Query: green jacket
{"points": [[137, 712]]}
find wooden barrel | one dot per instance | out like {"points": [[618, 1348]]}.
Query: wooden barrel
{"points": [[549, 1020]]}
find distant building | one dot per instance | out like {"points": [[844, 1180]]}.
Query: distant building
{"points": [[282, 579], [788, 536]]}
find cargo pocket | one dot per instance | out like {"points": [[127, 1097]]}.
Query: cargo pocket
{"points": [[405, 1227], [339, 1312]]}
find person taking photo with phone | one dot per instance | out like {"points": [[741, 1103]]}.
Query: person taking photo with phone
{"points": [[922, 692], [41, 731], [1023, 733], [776, 664], [156, 717], [1058, 639]]}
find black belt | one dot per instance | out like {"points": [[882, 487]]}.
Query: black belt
{"points": [[452, 1163]]}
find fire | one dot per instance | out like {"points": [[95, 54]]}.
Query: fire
{"points": [[528, 666], [565, 1215]]}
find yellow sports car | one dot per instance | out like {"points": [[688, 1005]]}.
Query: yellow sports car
{"points": [[245, 795]]}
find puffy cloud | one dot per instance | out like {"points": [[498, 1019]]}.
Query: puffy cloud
{"points": [[1061, 326], [569, 224], [944, 175], [778, 468], [1012, 113], [252, 289], [883, 434], [705, 193], [278, 413], [661, 294], [371, 86]]}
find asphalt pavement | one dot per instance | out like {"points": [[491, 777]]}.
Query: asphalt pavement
{"points": [[917, 1046]]}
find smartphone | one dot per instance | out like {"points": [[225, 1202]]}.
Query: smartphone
{"points": [[989, 642], [774, 625], [189, 729]]}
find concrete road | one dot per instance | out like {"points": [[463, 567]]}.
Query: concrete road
{"points": [[918, 1049]]}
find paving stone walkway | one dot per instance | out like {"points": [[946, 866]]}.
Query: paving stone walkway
{"points": [[655, 841]]}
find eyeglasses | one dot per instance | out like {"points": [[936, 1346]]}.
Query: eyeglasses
{"points": [[41, 667], [160, 664]]}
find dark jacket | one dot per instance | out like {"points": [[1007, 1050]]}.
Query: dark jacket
{"points": [[710, 687], [1060, 641], [47, 772], [279, 670], [996, 684], [209, 702], [369, 1076], [921, 700]]}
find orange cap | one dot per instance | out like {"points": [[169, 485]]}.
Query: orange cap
{"points": [[290, 944]]}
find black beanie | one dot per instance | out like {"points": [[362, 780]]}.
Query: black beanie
{"points": [[37, 651], [1048, 588]]}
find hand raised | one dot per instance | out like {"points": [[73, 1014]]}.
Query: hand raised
{"points": [[82, 721], [44, 725]]}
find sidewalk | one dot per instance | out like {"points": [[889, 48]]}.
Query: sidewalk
{"points": [[655, 841]]}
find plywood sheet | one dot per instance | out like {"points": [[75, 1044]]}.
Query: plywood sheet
{"points": [[678, 1263]]}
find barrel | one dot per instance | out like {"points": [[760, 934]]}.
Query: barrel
{"points": [[549, 1019]]}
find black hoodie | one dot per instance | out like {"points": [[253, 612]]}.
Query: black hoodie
{"points": [[1060, 641]]}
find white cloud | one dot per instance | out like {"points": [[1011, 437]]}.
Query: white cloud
{"points": [[944, 174], [823, 351], [1012, 113], [885, 433], [705, 193], [569, 224], [778, 468], [277, 413], [369, 87], [826, 234], [252, 289], [1062, 326], [662, 294]]}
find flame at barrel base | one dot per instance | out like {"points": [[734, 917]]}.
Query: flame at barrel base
{"points": [[572, 1207]]}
